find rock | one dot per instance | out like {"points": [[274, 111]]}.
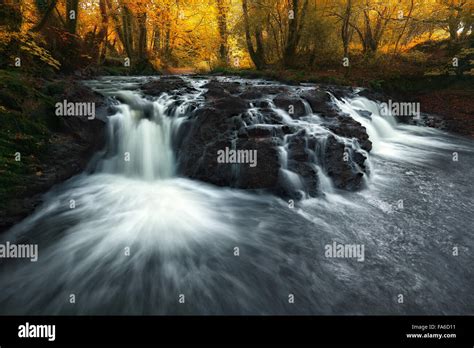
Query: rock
{"points": [[372, 95], [251, 94], [349, 128], [264, 104], [216, 89], [284, 102], [162, 85], [270, 90], [308, 174], [297, 147], [224, 122], [230, 106], [265, 174], [256, 131], [344, 174], [320, 103], [364, 113], [340, 91]]}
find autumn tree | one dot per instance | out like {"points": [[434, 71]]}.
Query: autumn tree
{"points": [[256, 51], [296, 20], [222, 9]]}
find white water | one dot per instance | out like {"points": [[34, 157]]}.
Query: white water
{"points": [[389, 139], [182, 234]]}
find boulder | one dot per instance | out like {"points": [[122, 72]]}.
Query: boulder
{"points": [[224, 122], [162, 85], [345, 174], [286, 102], [347, 127], [320, 103]]}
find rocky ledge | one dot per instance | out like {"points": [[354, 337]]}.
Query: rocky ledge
{"points": [[294, 149]]}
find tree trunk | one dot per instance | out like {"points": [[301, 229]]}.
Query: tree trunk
{"points": [[257, 55], [102, 37], [295, 26], [412, 5], [345, 30], [46, 14], [127, 29], [72, 12], [142, 38], [222, 26]]}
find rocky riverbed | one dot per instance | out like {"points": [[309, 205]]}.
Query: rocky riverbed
{"points": [[270, 118]]}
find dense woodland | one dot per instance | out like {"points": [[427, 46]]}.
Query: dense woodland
{"points": [[150, 35]]}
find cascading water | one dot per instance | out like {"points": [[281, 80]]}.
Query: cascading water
{"points": [[138, 146], [139, 236]]}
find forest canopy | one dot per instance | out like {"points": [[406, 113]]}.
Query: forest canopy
{"points": [[208, 34]]}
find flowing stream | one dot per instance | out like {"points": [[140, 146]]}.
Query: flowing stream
{"points": [[139, 235]]}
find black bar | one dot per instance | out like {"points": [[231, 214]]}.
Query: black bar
{"points": [[243, 329]]}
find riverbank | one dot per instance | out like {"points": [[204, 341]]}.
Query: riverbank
{"points": [[39, 149]]}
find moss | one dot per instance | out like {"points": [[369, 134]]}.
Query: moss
{"points": [[26, 121]]}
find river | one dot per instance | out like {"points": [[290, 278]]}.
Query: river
{"points": [[142, 239]]}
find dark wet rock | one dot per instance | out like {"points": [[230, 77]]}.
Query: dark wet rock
{"points": [[216, 93], [340, 92], [216, 89], [297, 147], [251, 94], [265, 174], [427, 120], [264, 104], [365, 113], [270, 116], [345, 174], [198, 158], [373, 95], [347, 127], [233, 87], [225, 122], [162, 85], [308, 175], [218, 126], [287, 103], [209, 131], [272, 90], [256, 131], [232, 106], [320, 103]]}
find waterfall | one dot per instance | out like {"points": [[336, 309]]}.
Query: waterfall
{"points": [[389, 139], [139, 139]]}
